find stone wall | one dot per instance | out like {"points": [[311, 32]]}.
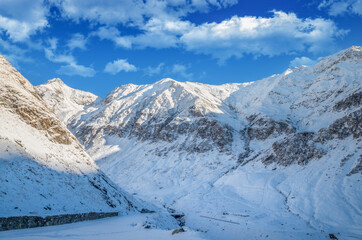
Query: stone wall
{"points": [[9, 223]]}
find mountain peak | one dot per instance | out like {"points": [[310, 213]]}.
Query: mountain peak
{"points": [[355, 48], [55, 80], [55, 92], [354, 52], [350, 55], [166, 80]]}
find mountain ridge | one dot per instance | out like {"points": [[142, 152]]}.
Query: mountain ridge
{"points": [[289, 143]]}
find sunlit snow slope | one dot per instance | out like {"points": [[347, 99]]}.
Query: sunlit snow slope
{"points": [[280, 157]]}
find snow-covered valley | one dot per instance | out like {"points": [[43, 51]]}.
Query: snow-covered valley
{"points": [[279, 158], [130, 227]]}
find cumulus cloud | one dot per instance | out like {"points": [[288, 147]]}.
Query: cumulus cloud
{"points": [[176, 71], [338, 7], [113, 34], [77, 41], [157, 33], [283, 33], [74, 69], [299, 61], [71, 66], [13, 53], [161, 24], [181, 70], [119, 65], [21, 18], [161, 33], [158, 20], [113, 12], [151, 71]]}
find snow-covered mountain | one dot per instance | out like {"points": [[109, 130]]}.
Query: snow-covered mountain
{"points": [[281, 156], [64, 99], [43, 168]]}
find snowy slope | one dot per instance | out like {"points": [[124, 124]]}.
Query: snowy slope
{"points": [[43, 168], [274, 156]]}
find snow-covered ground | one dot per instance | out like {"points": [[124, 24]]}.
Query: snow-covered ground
{"points": [[130, 227]]}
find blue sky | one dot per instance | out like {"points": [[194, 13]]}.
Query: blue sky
{"points": [[98, 45]]}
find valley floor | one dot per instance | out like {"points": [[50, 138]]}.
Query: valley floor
{"points": [[125, 227]]}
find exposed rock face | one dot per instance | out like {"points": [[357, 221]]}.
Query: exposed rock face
{"points": [[261, 128], [351, 101], [343, 127], [28, 104], [299, 148]]}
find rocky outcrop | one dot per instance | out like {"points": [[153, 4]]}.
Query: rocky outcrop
{"points": [[351, 101], [19, 222], [297, 149], [261, 128], [36, 117], [19, 96], [203, 133], [350, 125]]}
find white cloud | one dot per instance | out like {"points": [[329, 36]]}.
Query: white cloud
{"points": [[181, 70], [21, 18], [151, 71], [58, 58], [13, 53], [161, 33], [338, 7], [160, 25], [135, 12], [299, 61], [113, 34], [175, 71], [280, 34], [119, 65], [71, 66], [75, 69], [157, 33], [77, 41], [283, 33]]}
